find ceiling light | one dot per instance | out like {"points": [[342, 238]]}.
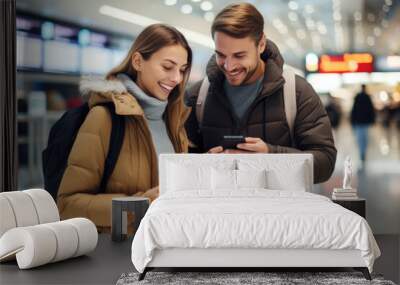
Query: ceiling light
{"points": [[301, 34], [311, 62], [281, 27], [209, 16], [312, 58], [293, 5], [339, 31], [186, 9], [170, 2], [310, 23], [143, 21], [385, 23], [336, 3], [127, 16], [309, 9], [277, 23], [196, 1], [206, 6], [385, 8], [389, 2], [283, 30], [337, 16], [293, 16], [322, 28]]}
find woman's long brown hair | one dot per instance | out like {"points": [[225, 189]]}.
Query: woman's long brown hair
{"points": [[149, 41]]}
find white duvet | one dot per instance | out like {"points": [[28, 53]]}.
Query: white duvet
{"points": [[250, 219]]}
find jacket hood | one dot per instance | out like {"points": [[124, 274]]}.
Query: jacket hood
{"points": [[273, 68], [99, 90]]}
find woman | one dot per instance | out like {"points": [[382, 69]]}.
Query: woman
{"points": [[147, 88]]}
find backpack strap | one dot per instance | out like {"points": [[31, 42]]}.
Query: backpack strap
{"points": [[116, 140], [289, 94], [201, 99]]}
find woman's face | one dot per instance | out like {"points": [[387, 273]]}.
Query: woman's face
{"points": [[160, 74]]}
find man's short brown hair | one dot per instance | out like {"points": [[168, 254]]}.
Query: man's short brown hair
{"points": [[239, 21]]}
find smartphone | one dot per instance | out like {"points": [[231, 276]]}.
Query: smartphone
{"points": [[230, 142]]}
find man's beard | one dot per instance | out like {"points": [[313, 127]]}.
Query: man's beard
{"points": [[249, 74]]}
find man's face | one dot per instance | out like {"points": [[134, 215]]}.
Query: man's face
{"points": [[238, 58]]}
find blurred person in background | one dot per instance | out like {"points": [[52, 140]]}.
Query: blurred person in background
{"points": [[147, 88], [334, 111], [362, 117]]}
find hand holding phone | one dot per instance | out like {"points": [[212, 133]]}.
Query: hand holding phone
{"points": [[231, 142]]}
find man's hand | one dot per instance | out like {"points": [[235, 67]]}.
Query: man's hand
{"points": [[252, 145]]}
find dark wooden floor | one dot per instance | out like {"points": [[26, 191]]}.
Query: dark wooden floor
{"points": [[110, 260], [389, 262]]}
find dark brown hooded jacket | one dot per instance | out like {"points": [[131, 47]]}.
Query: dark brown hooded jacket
{"points": [[266, 117]]}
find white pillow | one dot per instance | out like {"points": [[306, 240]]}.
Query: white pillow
{"points": [[281, 174], [188, 177], [293, 180], [235, 179], [223, 179], [251, 178]]}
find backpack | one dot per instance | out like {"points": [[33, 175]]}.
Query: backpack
{"points": [[289, 97], [61, 139]]}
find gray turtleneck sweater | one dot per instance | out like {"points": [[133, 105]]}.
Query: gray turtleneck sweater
{"points": [[153, 111], [241, 97]]}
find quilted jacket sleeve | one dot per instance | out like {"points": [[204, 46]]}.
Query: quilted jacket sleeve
{"points": [[312, 131], [77, 195]]}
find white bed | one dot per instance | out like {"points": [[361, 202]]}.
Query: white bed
{"points": [[202, 219]]}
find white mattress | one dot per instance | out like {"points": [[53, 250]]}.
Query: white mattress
{"points": [[252, 219]]}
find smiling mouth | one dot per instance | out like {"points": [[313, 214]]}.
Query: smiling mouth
{"points": [[234, 75], [166, 88]]}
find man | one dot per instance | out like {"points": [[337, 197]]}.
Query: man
{"points": [[362, 116], [245, 97]]}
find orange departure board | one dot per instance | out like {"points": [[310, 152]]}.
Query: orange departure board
{"points": [[348, 62]]}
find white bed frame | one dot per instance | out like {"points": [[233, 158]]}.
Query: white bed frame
{"points": [[246, 257], [234, 257]]}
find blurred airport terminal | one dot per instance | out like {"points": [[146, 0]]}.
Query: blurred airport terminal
{"points": [[336, 45]]}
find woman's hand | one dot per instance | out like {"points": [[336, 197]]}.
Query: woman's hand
{"points": [[152, 193], [217, 149]]}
